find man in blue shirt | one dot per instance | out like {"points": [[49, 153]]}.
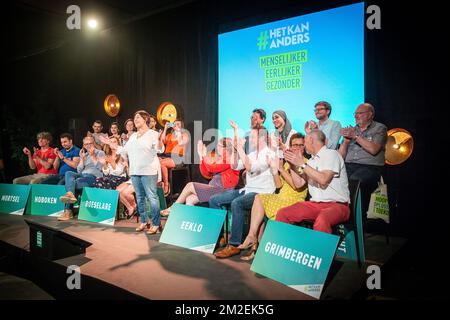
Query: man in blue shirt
{"points": [[67, 159], [89, 168], [331, 128]]}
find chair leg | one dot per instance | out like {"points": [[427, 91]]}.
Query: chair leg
{"points": [[356, 234], [226, 228], [386, 230]]}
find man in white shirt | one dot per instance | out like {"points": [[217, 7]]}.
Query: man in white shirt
{"points": [[327, 184], [258, 180]]}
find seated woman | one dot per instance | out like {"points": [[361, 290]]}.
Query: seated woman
{"points": [[283, 132], [126, 197], [175, 143], [114, 169], [223, 176], [269, 204]]}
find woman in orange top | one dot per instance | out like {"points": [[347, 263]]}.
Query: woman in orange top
{"points": [[175, 143], [223, 177]]}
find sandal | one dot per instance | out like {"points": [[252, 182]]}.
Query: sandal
{"points": [[165, 212], [251, 253], [248, 244], [129, 216], [166, 193], [154, 230], [142, 227]]}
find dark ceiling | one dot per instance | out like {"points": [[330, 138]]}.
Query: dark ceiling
{"points": [[33, 26]]}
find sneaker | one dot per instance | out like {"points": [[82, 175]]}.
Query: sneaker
{"points": [[68, 198], [67, 215]]}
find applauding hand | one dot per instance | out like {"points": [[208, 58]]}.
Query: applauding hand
{"points": [[292, 158]]}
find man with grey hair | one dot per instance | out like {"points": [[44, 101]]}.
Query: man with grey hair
{"points": [[327, 182], [89, 168], [41, 159], [331, 128], [363, 149]]}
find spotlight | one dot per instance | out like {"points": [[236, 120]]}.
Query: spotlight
{"points": [[92, 23]]}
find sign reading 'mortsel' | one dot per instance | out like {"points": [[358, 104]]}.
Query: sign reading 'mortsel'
{"points": [[98, 205], [195, 228], [13, 198], [297, 257], [44, 200]]}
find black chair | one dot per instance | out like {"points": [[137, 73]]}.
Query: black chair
{"points": [[351, 224], [178, 178]]}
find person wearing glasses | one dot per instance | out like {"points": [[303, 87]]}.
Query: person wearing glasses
{"points": [[363, 149], [269, 204], [326, 177], [331, 128], [89, 168], [258, 179]]}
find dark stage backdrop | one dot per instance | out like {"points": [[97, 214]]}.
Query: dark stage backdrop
{"points": [[172, 55]]}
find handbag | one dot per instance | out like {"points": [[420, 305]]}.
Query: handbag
{"points": [[379, 203]]}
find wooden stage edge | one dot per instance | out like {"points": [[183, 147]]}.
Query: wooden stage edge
{"points": [[139, 264]]}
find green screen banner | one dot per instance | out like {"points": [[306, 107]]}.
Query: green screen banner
{"points": [[297, 257], [13, 198], [195, 228], [98, 205], [44, 200]]}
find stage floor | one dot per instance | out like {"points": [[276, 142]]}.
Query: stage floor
{"points": [[138, 263]]}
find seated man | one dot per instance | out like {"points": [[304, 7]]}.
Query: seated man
{"points": [[258, 180], [363, 149], [89, 168], [66, 160], [41, 159], [327, 184], [331, 128]]}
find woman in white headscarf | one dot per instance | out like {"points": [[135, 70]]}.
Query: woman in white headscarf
{"points": [[283, 131]]}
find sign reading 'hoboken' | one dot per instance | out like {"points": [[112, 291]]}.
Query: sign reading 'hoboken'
{"points": [[297, 257], [195, 228], [44, 200]]}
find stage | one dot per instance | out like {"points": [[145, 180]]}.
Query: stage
{"points": [[135, 265]]}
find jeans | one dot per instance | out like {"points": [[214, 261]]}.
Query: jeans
{"points": [[145, 187], [74, 181], [368, 176], [240, 202], [54, 179]]}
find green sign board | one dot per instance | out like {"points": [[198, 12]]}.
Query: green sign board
{"points": [[195, 228], [13, 198], [297, 257], [98, 205], [44, 200]]}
